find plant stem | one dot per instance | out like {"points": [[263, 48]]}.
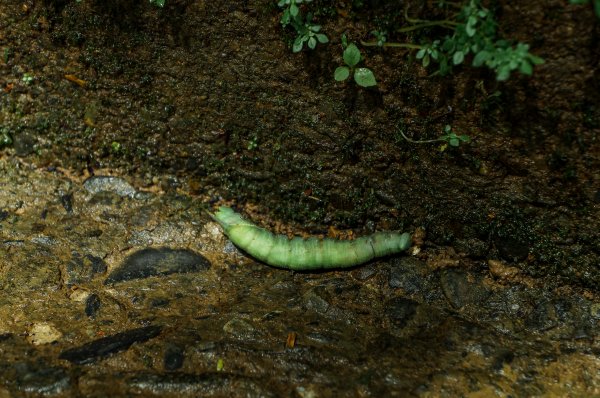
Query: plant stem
{"points": [[444, 24], [419, 142], [392, 44]]}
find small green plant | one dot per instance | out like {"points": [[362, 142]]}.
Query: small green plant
{"points": [[380, 36], [449, 137], [158, 3], [27, 78], [364, 77], [253, 143], [595, 2], [116, 147], [306, 31], [473, 34]]}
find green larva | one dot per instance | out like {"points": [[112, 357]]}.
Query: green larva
{"points": [[307, 254]]}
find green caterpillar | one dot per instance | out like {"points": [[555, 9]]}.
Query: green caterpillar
{"points": [[307, 254]]}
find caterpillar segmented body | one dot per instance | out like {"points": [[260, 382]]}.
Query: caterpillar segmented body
{"points": [[307, 254]]}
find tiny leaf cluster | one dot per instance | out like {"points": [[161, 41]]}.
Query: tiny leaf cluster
{"points": [[475, 33], [364, 77], [306, 31]]}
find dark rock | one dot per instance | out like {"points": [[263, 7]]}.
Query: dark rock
{"points": [[459, 291], [206, 384], [159, 302], [92, 305], [501, 358], [82, 269], [314, 302], [406, 274], [35, 379], [153, 262], [174, 356], [472, 247], [106, 346], [543, 317], [401, 310], [67, 202]]}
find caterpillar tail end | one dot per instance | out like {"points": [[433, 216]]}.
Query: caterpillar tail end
{"points": [[226, 217]]}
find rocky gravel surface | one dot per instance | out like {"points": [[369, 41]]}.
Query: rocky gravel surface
{"points": [[107, 289]]}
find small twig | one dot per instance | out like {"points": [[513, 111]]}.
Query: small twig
{"points": [[393, 44], [421, 141]]}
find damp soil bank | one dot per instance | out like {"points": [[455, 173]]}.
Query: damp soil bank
{"points": [[203, 101]]}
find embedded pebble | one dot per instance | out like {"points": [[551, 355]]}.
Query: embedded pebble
{"points": [[239, 328], [83, 268], [174, 357], [43, 333], [92, 305], [116, 185], [205, 384], [35, 379], [106, 346], [401, 310], [154, 262], [459, 290]]}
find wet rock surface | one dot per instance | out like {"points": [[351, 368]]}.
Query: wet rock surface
{"points": [[401, 326], [161, 261]]}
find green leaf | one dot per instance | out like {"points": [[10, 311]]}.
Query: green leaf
{"points": [[294, 10], [454, 142], [421, 53], [285, 18], [315, 28], [458, 57], [503, 73], [426, 61], [364, 77], [464, 138], [470, 28], [297, 46], [312, 43], [526, 68], [480, 58], [341, 73], [351, 55], [535, 59], [322, 38], [344, 41]]}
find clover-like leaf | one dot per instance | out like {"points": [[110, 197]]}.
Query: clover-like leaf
{"points": [[364, 77], [341, 73], [322, 38], [351, 55]]}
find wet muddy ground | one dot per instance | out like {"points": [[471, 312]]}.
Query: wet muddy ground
{"points": [[121, 123], [109, 290]]}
